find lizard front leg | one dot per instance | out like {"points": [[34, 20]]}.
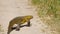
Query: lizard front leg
{"points": [[28, 24]]}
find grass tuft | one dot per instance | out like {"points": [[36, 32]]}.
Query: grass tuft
{"points": [[49, 11]]}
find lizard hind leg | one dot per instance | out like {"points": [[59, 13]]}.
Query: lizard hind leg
{"points": [[18, 27]]}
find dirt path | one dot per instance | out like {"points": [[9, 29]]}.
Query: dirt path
{"points": [[12, 8]]}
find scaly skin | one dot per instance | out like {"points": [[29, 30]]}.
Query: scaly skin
{"points": [[18, 20]]}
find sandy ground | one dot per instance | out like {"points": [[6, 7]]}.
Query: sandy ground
{"points": [[13, 8]]}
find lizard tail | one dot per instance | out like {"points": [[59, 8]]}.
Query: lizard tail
{"points": [[9, 30]]}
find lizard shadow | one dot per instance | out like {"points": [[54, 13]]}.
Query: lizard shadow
{"points": [[20, 27]]}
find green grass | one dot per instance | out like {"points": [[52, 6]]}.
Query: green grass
{"points": [[49, 11], [1, 30]]}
